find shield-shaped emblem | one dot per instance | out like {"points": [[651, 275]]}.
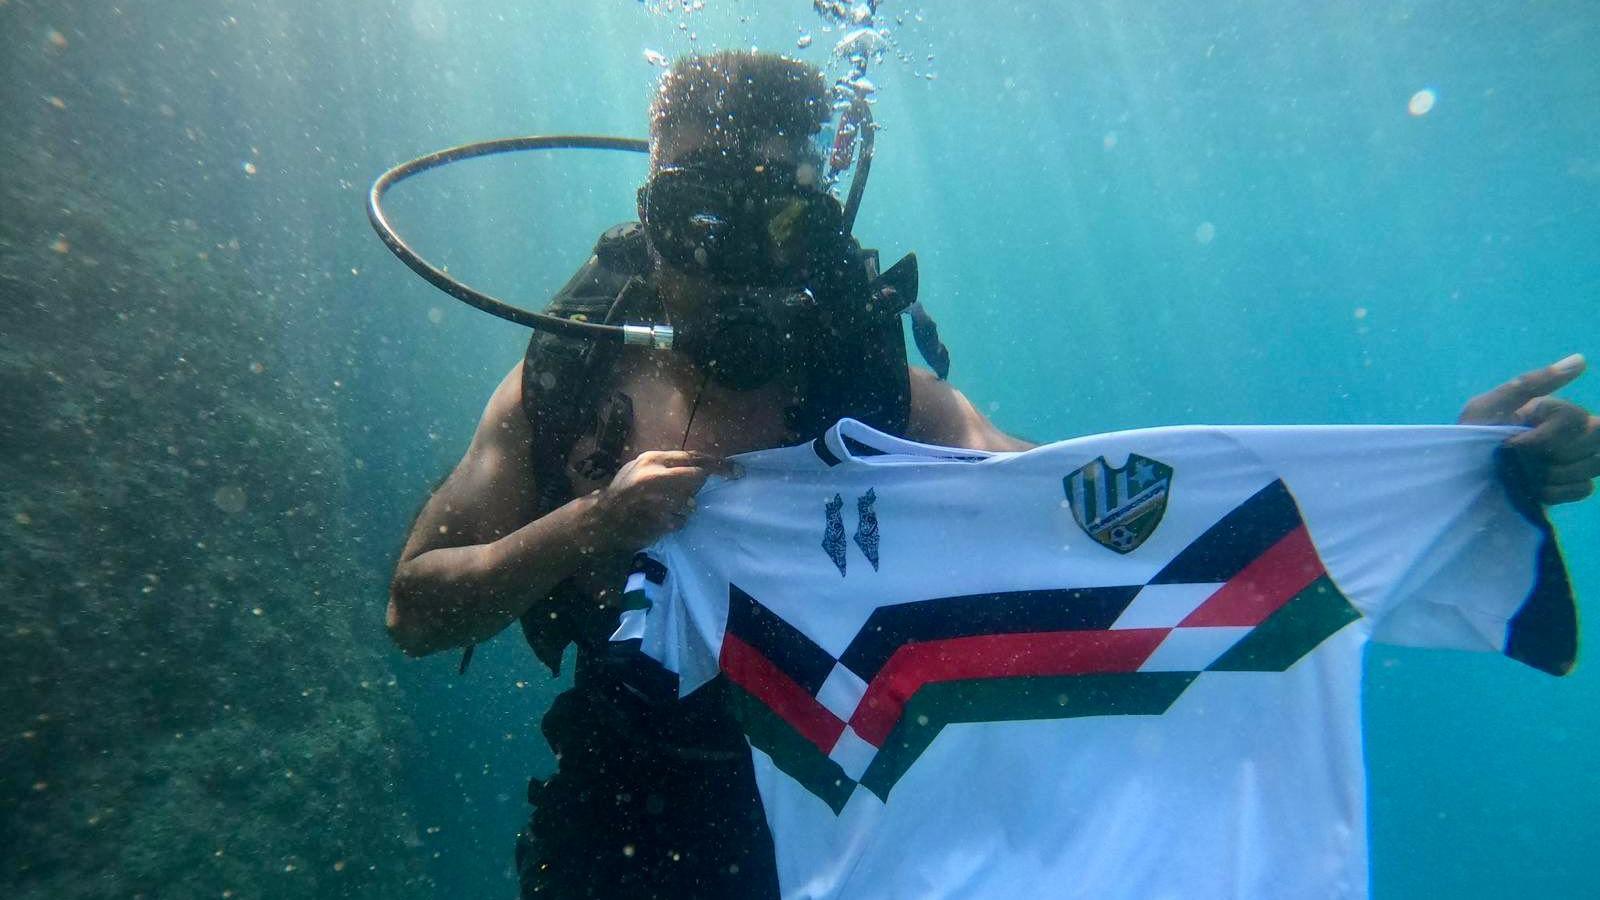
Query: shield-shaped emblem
{"points": [[1119, 508]]}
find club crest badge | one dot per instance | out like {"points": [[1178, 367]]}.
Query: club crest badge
{"points": [[1119, 508]]}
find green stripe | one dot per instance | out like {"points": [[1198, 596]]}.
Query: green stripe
{"points": [[635, 600], [796, 756], [1308, 619], [1015, 699]]}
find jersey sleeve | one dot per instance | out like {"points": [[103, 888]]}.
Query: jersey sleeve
{"points": [[657, 614], [1428, 534]]}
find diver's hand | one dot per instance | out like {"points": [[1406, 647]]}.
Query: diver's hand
{"points": [[1560, 455], [654, 494]]}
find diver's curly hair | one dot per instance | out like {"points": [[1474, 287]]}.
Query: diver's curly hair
{"points": [[740, 97]]}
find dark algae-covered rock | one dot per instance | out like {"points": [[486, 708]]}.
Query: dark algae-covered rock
{"points": [[194, 698]]}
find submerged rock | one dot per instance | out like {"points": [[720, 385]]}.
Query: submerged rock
{"points": [[193, 697]]}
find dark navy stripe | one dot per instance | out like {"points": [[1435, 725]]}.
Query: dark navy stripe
{"points": [[641, 674], [824, 453], [1237, 540], [652, 569], [859, 449], [781, 643], [1544, 631], [1010, 612]]}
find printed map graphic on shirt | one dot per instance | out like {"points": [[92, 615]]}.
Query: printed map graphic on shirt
{"points": [[1126, 665]]}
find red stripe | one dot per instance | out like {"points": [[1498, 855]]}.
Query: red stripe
{"points": [[755, 673], [1263, 586], [995, 656]]}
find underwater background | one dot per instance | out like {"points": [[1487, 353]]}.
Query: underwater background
{"points": [[221, 400]]}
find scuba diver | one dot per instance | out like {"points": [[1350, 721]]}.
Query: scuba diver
{"points": [[780, 324], [588, 452]]}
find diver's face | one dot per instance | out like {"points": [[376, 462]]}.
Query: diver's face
{"points": [[681, 289]]}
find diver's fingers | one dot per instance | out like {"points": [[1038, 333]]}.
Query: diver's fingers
{"points": [[1566, 493], [1585, 444], [1582, 470], [716, 465], [671, 457], [1560, 430], [1497, 407]]}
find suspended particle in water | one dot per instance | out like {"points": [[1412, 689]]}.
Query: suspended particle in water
{"points": [[430, 20], [435, 315], [1109, 142], [57, 102], [60, 245], [256, 368], [1422, 102], [249, 167], [230, 498], [655, 58], [803, 42], [57, 39], [1360, 312], [1204, 233]]}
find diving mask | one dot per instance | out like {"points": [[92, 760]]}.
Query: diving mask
{"points": [[756, 224]]}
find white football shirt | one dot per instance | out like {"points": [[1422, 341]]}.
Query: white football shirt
{"points": [[1126, 665]]}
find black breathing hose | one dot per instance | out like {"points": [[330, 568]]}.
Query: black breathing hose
{"points": [[858, 181], [657, 336], [475, 298]]}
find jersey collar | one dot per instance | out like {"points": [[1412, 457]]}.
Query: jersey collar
{"points": [[851, 442]]}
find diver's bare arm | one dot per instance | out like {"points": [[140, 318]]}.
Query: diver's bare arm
{"points": [[942, 415], [474, 562]]}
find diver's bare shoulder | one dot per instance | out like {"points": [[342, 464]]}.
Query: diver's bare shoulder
{"points": [[942, 415]]}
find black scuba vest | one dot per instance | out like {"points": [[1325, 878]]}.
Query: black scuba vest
{"points": [[860, 373]]}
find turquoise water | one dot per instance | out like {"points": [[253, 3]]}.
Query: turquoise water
{"points": [[1126, 214]]}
